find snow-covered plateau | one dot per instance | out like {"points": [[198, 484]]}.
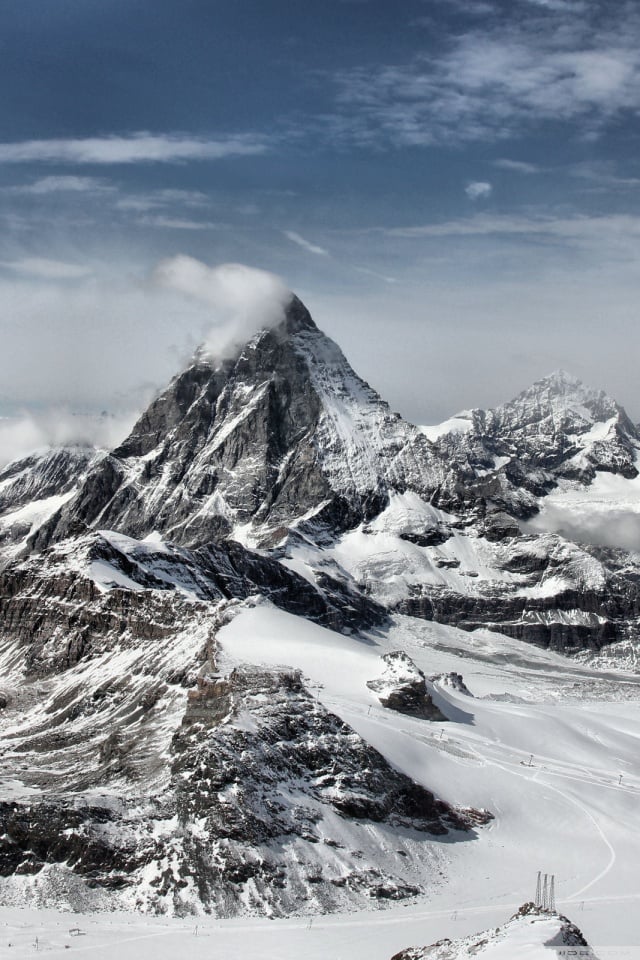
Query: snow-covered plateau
{"points": [[283, 674]]}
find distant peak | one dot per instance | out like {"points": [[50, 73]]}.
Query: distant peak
{"points": [[561, 378], [562, 384]]}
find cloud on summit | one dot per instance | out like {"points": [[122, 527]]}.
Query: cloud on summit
{"points": [[241, 300]]}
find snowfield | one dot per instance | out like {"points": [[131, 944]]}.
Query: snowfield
{"points": [[550, 747]]}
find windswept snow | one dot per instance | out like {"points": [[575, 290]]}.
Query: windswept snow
{"points": [[549, 747], [461, 423]]}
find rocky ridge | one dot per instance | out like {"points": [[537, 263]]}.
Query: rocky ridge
{"points": [[556, 430], [530, 932]]}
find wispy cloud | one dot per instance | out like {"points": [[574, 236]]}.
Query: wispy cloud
{"points": [[176, 223], [478, 8], [136, 148], [517, 166], [612, 237], [478, 190], [305, 244], [163, 198], [45, 269], [562, 6], [490, 83], [374, 273], [63, 184]]}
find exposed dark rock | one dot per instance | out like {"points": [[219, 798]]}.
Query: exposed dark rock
{"points": [[499, 525], [453, 680], [402, 687]]}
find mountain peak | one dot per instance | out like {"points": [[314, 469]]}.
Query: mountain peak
{"points": [[561, 392], [562, 378], [297, 317], [282, 429]]}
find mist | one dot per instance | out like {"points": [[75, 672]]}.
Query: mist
{"points": [[28, 432], [84, 357], [601, 525], [241, 299]]}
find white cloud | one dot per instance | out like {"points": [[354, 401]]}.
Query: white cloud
{"points": [[64, 184], [136, 148], [176, 223], [102, 342], [241, 299], [600, 523], [305, 244], [478, 190], [517, 166], [492, 82], [28, 432], [46, 269]]}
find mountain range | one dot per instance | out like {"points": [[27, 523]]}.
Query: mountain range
{"points": [[141, 767]]}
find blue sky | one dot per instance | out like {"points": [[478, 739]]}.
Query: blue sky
{"points": [[451, 185]]}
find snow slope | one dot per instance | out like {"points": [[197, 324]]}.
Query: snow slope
{"points": [[540, 742]]}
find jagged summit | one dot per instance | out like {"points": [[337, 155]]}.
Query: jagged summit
{"points": [[562, 379], [560, 391], [557, 429], [282, 430]]}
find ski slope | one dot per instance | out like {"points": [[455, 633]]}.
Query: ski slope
{"points": [[549, 747]]}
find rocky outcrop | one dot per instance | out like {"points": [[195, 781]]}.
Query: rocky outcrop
{"points": [[259, 765], [402, 687], [33, 488], [530, 930], [41, 475]]}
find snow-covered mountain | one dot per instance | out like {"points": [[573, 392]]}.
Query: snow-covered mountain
{"points": [[33, 488], [155, 771], [280, 433], [558, 429]]}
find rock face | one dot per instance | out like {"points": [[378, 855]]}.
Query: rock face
{"points": [[283, 431], [402, 687], [558, 429]]}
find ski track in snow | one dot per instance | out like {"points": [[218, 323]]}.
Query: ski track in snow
{"points": [[484, 757]]}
